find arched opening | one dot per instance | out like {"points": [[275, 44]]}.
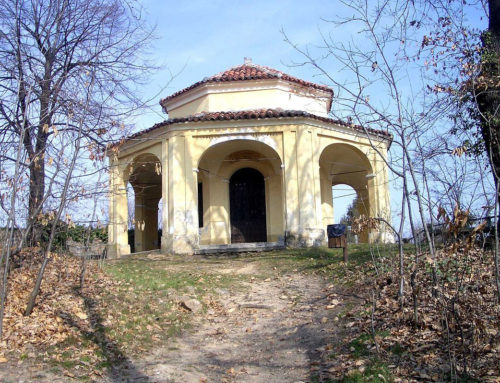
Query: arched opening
{"points": [[224, 171], [145, 179], [347, 206], [247, 206], [347, 170], [345, 199]]}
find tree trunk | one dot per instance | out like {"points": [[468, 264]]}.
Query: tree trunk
{"points": [[37, 184], [37, 163]]}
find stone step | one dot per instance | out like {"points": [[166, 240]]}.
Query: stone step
{"points": [[239, 247]]}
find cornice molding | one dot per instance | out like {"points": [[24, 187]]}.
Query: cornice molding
{"points": [[231, 127]]}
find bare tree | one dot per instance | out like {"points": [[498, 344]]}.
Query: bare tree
{"points": [[384, 77], [50, 47], [463, 62], [63, 199], [378, 66]]}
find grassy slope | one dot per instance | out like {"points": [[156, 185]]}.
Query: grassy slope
{"points": [[140, 309]]}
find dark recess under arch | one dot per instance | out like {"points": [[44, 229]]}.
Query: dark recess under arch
{"points": [[247, 204]]}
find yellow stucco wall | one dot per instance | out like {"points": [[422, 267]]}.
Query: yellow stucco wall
{"points": [[299, 158], [260, 95]]}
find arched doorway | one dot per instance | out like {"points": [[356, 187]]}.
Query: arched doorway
{"points": [[216, 169], [247, 205]]}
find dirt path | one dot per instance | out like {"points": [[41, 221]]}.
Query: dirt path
{"points": [[272, 332], [272, 328]]}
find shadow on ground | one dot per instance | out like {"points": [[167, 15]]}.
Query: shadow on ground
{"points": [[119, 367]]}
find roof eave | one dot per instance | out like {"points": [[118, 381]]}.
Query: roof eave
{"points": [[260, 114]]}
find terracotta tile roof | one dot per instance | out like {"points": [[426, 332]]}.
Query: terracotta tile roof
{"points": [[246, 72], [253, 115]]}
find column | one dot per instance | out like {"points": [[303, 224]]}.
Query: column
{"points": [[274, 208], [379, 187], [326, 199], [164, 196], [182, 237], [303, 189], [290, 188], [218, 210], [118, 212]]}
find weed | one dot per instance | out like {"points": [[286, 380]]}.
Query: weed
{"points": [[68, 364], [375, 372], [397, 350], [359, 346]]}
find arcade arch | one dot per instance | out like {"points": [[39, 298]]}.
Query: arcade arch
{"points": [[240, 181], [144, 175], [343, 164]]}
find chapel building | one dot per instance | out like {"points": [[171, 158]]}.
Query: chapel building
{"points": [[247, 158]]}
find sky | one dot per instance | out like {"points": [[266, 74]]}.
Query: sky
{"points": [[199, 38]]}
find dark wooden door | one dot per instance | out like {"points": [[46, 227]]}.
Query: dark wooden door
{"points": [[247, 204]]}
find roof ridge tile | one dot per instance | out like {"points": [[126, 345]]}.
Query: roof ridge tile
{"points": [[247, 72]]}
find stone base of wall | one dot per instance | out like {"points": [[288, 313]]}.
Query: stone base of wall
{"points": [[180, 244], [190, 244], [114, 250], [305, 238]]}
